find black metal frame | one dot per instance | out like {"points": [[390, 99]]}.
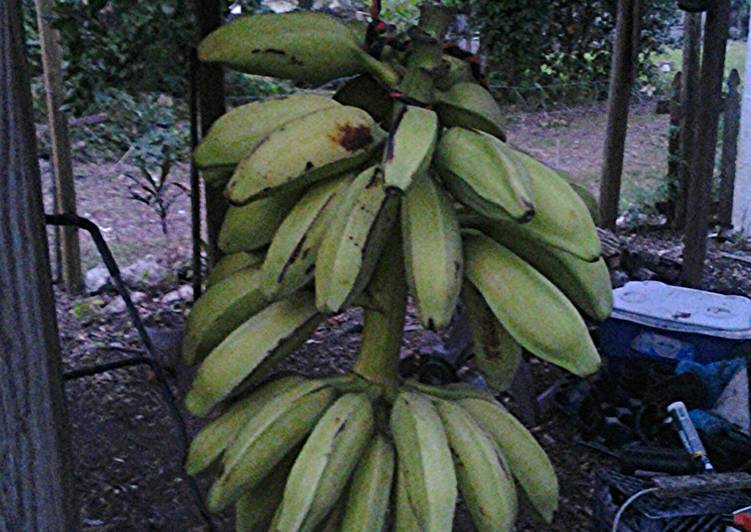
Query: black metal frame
{"points": [[150, 358]]}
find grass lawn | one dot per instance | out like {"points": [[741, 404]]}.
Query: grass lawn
{"points": [[735, 58]]}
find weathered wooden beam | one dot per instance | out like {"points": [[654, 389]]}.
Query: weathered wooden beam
{"points": [[691, 71], [705, 136], [36, 489], [742, 198], [731, 124], [65, 189], [621, 81], [211, 106]]}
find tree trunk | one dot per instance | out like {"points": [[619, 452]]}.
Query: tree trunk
{"points": [[674, 141], [65, 196], [699, 195], [621, 80], [691, 70], [742, 199], [731, 119], [211, 106], [36, 490]]}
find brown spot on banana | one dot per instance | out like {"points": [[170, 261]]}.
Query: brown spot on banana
{"points": [[352, 138]]}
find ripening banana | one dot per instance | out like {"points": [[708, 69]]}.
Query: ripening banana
{"points": [[367, 504], [324, 465], [235, 133], [561, 218], [252, 226], [536, 313], [485, 483], [432, 251], [424, 455], [290, 259], [354, 240], [326, 143], [470, 105], [485, 175], [587, 284], [584, 194], [410, 146], [232, 263], [222, 309], [369, 95], [265, 440], [496, 353], [262, 340], [527, 460], [214, 438], [255, 508], [405, 519], [304, 46]]}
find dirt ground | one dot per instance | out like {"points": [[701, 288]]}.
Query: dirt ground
{"points": [[127, 449]]}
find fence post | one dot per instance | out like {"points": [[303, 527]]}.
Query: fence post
{"points": [[691, 70], [36, 482], [65, 191], [674, 142], [621, 81], [731, 124], [705, 136]]}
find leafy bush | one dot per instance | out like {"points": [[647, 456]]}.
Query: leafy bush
{"points": [[541, 42]]}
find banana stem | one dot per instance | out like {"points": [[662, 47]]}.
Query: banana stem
{"points": [[378, 360], [435, 19]]}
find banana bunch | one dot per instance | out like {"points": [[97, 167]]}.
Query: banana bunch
{"points": [[345, 454], [399, 185]]}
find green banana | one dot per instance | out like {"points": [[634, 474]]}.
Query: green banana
{"points": [[484, 482], [221, 310], [235, 133], [410, 146], [324, 465], [255, 508], [405, 519], [561, 218], [270, 335], [536, 313], [432, 251], [303, 46], [423, 451], [252, 226], [290, 260], [367, 94], [527, 460], [587, 284], [497, 354], [455, 70], [470, 105], [484, 174], [231, 264], [328, 142], [265, 440], [354, 240], [210, 443], [369, 493], [590, 201]]}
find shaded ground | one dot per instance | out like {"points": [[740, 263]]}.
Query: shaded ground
{"points": [[128, 456]]}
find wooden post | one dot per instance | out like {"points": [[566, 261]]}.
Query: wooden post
{"points": [[211, 106], [674, 140], [691, 70], [36, 489], [65, 191], [705, 136], [731, 123], [742, 197], [621, 81]]}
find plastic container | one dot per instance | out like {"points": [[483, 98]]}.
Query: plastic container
{"points": [[671, 323], [698, 512]]}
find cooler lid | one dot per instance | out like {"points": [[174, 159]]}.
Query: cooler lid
{"points": [[676, 308]]}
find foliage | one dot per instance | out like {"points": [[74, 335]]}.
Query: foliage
{"points": [[539, 42]]}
